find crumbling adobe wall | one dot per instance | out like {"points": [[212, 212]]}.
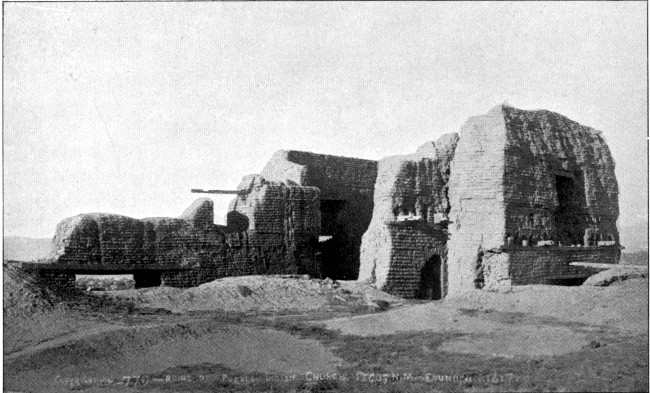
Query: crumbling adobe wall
{"points": [[336, 177], [409, 218], [101, 238], [349, 182], [534, 266], [110, 239], [54, 279], [508, 173], [477, 214], [540, 147], [494, 274], [412, 244], [272, 228], [537, 265], [113, 239]]}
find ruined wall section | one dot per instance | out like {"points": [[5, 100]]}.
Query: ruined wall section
{"points": [[282, 169], [273, 228], [542, 148], [530, 265], [346, 190], [409, 218], [521, 177], [112, 239], [191, 241], [477, 214], [101, 238], [412, 243], [538, 265]]}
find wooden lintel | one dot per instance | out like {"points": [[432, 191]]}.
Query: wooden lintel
{"points": [[200, 191]]}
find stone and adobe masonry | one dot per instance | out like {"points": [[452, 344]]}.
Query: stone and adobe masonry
{"points": [[523, 179], [404, 248], [518, 195], [154, 249], [272, 228], [346, 192], [512, 199]]}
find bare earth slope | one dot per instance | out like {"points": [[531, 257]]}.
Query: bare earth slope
{"points": [[45, 338], [253, 326], [256, 293], [541, 315], [147, 350]]}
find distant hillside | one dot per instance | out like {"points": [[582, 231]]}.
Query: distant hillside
{"points": [[25, 248], [634, 238]]}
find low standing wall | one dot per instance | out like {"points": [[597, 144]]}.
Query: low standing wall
{"points": [[190, 241], [536, 265], [60, 280]]}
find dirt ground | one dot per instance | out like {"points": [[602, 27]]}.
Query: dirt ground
{"points": [[150, 349], [255, 294], [285, 333], [533, 320]]}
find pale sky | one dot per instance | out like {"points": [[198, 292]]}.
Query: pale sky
{"points": [[124, 107]]}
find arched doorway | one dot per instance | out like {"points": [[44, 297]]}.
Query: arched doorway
{"points": [[431, 279]]}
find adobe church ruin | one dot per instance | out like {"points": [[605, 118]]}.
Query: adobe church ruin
{"points": [[504, 203], [513, 199]]}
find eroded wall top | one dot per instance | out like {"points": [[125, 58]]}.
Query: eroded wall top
{"points": [[336, 177], [414, 186], [410, 199], [559, 179]]}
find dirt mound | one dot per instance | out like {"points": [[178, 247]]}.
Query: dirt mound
{"points": [[150, 350], [22, 295], [618, 273], [258, 293], [34, 313]]}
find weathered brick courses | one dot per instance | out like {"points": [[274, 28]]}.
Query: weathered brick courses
{"points": [[517, 177], [474, 206], [274, 228], [506, 186], [409, 219], [345, 183]]}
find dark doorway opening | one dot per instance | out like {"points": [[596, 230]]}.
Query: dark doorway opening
{"points": [[330, 216], [431, 279], [568, 281], [146, 280], [332, 239], [568, 217]]}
